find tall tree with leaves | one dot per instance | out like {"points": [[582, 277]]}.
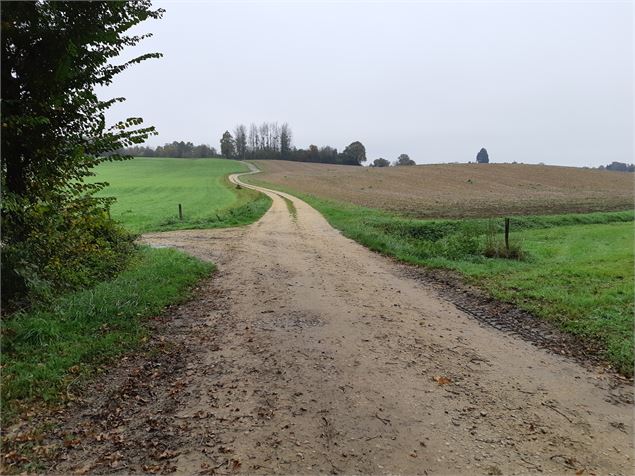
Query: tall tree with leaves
{"points": [[482, 157], [354, 154], [227, 146], [54, 133]]}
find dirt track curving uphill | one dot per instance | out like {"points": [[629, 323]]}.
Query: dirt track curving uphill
{"points": [[307, 353]]}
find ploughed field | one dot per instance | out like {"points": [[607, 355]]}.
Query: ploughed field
{"points": [[458, 190]]}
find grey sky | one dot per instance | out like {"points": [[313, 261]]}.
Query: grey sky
{"points": [[531, 82]]}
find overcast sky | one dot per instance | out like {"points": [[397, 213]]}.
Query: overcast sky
{"points": [[532, 82]]}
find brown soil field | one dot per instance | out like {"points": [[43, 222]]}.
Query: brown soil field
{"points": [[458, 190]]}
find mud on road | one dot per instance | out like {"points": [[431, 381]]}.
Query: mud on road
{"points": [[307, 353]]}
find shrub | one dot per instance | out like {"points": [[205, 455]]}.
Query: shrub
{"points": [[463, 244], [60, 248]]}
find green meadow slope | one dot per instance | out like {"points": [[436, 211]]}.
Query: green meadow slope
{"points": [[149, 191]]}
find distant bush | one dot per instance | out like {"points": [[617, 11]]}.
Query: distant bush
{"points": [[381, 162], [618, 167], [404, 159]]}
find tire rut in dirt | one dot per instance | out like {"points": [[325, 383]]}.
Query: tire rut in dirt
{"points": [[510, 319]]}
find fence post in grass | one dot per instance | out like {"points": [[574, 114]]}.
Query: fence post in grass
{"points": [[180, 212], [507, 234]]}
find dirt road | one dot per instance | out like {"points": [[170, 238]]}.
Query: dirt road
{"points": [[307, 353]]}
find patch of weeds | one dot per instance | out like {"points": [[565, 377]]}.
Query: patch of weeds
{"points": [[290, 206], [494, 245]]}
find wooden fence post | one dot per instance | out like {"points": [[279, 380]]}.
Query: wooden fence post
{"points": [[180, 212], [507, 234]]}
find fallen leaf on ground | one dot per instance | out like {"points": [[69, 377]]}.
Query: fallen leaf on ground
{"points": [[155, 468], [168, 454]]}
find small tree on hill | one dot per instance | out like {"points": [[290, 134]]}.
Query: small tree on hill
{"points": [[482, 157], [227, 146], [381, 162], [404, 159]]}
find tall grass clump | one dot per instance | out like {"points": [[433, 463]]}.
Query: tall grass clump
{"points": [[494, 245]]}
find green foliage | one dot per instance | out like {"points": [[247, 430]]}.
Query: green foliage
{"points": [[148, 192], [381, 162], [47, 347], [463, 244], [495, 246], [60, 250], [227, 146], [175, 149], [54, 54], [404, 159], [619, 167], [482, 157], [354, 154]]}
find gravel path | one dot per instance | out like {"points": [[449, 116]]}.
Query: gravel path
{"points": [[307, 353]]}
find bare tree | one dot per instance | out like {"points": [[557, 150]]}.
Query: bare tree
{"points": [[285, 140], [253, 137], [275, 136], [264, 136], [240, 139]]}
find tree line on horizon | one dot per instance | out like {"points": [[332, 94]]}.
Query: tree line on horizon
{"points": [[175, 149], [271, 141], [403, 159], [618, 167]]}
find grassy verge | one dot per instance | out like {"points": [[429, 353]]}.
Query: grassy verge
{"points": [[149, 191], [577, 270], [291, 207], [46, 349]]}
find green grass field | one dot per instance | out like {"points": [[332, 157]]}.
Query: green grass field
{"points": [[577, 271], [149, 190]]}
